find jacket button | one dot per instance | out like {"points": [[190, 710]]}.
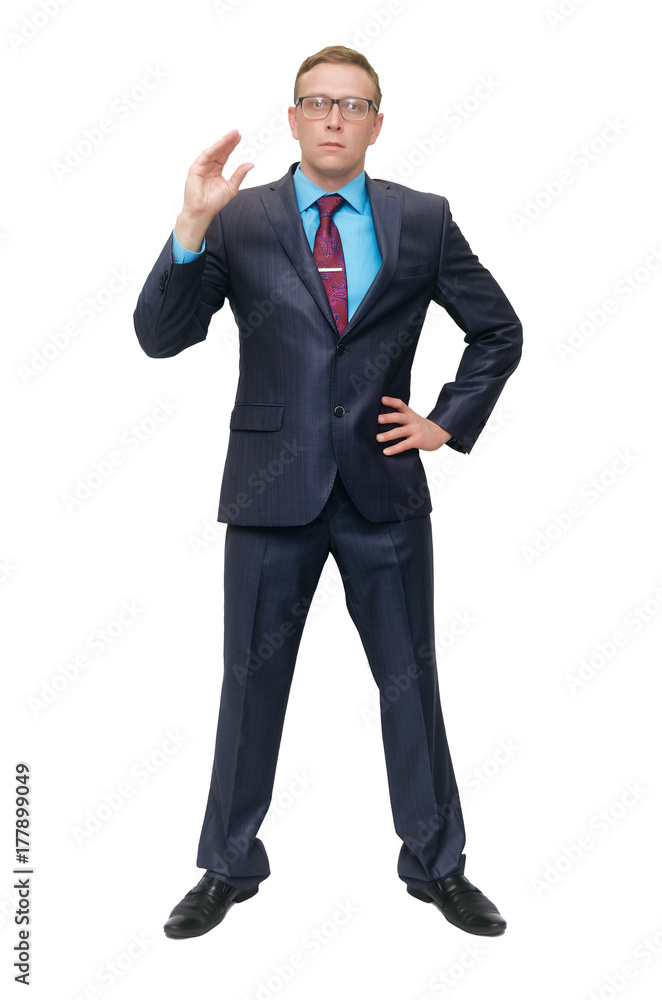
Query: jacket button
{"points": [[340, 349], [339, 411]]}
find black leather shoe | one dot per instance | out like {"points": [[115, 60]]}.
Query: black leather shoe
{"points": [[204, 907], [463, 905]]}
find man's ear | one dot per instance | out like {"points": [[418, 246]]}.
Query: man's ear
{"points": [[292, 118], [376, 128]]}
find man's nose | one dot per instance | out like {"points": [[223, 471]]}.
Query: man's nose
{"points": [[334, 118]]}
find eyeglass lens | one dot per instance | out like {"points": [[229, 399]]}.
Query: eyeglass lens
{"points": [[351, 108]]}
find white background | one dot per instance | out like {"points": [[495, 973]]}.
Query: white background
{"points": [[545, 582]]}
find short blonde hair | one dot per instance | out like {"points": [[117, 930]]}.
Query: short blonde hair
{"points": [[340, 54]]}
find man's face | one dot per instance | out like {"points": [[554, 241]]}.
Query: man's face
{"points": [[332, 149]]}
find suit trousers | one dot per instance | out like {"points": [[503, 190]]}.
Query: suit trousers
{"points": [[387, 573]]}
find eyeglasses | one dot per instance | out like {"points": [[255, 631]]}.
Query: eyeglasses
{"points": [[352, 109]]}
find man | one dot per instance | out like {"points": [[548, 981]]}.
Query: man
{"points": [[329, 275]]}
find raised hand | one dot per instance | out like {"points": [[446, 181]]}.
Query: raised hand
{"points": [[207, 191]]}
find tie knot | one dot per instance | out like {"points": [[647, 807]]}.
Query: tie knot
{"points": [[328, 203]]}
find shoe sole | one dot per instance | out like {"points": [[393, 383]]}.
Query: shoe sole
{"points": [[176, 935]]}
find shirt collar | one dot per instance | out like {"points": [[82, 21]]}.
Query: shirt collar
{"points": [[307, 193]]}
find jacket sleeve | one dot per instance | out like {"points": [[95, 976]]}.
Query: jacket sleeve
{"points": [[493, 334], [177, 301]]}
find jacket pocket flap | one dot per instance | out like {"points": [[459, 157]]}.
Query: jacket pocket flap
{"points": [[257, 417]]}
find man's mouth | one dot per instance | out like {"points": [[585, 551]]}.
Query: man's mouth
{"points": [[335, 145]]}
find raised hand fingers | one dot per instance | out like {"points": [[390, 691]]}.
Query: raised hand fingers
{"points": [[220, 150], [239, 175]]}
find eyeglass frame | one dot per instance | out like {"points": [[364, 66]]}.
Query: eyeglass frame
{"points": [[336, 100]]}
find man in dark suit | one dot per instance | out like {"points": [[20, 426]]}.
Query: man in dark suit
{"points": [[329, 274]]}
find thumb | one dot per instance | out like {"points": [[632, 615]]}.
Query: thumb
{"points": [[239, 175]]}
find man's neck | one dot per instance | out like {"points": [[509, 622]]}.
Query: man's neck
{"points": [[327, 182]]}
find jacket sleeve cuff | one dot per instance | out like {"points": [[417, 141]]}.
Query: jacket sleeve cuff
{"points": [[183, 256]]}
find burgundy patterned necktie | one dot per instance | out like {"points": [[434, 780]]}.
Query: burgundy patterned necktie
{"points": [[330, 260]]}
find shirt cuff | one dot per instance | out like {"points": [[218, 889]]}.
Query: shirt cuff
{"points": [[181, 254]]}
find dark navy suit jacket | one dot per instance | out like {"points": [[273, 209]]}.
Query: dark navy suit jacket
{"points": [[307, 400]]}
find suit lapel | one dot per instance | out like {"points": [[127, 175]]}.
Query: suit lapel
{"points": [[281, 206], [386, 208]]}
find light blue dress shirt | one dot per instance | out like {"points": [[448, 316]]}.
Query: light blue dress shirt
{"points": [[355, 225]]}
